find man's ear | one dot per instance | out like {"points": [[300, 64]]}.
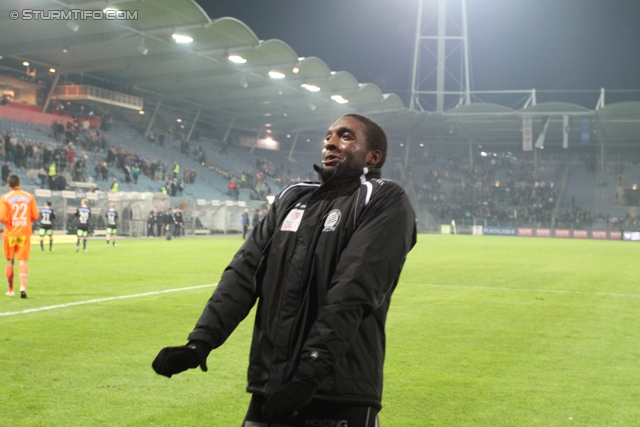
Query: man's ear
{"points": [[373, 158]]}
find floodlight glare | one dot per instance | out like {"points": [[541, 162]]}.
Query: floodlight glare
{"points": [[141, 112], [296, 70], [25, 63], [143, 49], [179, 38], [310, 88], [237, 59], [52, 70], [339, 99], [276, 75]]}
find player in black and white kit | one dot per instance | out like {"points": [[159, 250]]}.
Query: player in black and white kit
{"points": [[112, 223], [83, 214], [47, 215]]}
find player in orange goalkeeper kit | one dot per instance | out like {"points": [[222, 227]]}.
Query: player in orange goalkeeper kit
{"points": [[17, 211]]}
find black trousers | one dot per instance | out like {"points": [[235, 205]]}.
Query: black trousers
{"points": [[319, 413]]}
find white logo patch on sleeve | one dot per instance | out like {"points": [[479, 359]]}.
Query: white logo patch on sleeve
{"points": [[292, 221], [332, 220]]}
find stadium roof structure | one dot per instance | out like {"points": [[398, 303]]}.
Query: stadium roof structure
{"points": [[232, 78], [273, 85]]}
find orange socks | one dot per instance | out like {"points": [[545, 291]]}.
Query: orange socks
{"points": [[24, 272], [8, 273]]}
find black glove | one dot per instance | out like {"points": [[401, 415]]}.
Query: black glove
{"points": [[173, 360], [288, 398]]}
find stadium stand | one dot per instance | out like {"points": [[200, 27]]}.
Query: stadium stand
{"points": [[498, 190], [508, 192]]}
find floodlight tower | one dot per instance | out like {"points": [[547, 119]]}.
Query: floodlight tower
{"points": [[440, 77]]}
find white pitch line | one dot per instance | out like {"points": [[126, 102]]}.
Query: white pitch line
{"points": [[492, 288], [553, 291], [92, 301]]}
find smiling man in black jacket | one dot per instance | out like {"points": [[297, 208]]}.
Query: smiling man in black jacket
{"points": [[322, 266]]}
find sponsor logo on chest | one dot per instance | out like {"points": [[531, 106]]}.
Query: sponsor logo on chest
{"points": [[292, 221]]}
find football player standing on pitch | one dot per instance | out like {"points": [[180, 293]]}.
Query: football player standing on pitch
{"points": [[322, 266]]}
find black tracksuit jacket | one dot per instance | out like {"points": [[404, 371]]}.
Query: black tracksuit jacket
{"points": [[322, 266]]}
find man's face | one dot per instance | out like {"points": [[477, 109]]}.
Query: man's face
{"points": [[345, 142]]}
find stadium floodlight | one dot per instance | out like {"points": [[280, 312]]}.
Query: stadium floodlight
{"points": [[296, 70], [276, 75], [180, 38], [25, 63], [142, 48], [237, 59], [73, 26], [310, 88], [109, 7], [52, 70], [339, 99], [141, 112]]}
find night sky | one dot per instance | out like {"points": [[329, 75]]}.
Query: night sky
{"points": [[514, 44]]}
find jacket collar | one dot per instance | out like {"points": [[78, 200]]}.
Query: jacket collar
{"points": [[346, 179]]}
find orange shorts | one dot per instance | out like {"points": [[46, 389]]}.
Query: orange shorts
{"points": [[18, 247]]}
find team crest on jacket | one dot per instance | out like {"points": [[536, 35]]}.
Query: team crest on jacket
{"points": [[332, 220]]}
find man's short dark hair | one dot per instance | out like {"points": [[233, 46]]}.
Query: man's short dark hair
{"points": [[13, 181], [376, 138]]}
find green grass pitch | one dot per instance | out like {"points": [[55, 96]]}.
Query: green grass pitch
{"points": [[482, 331]]}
